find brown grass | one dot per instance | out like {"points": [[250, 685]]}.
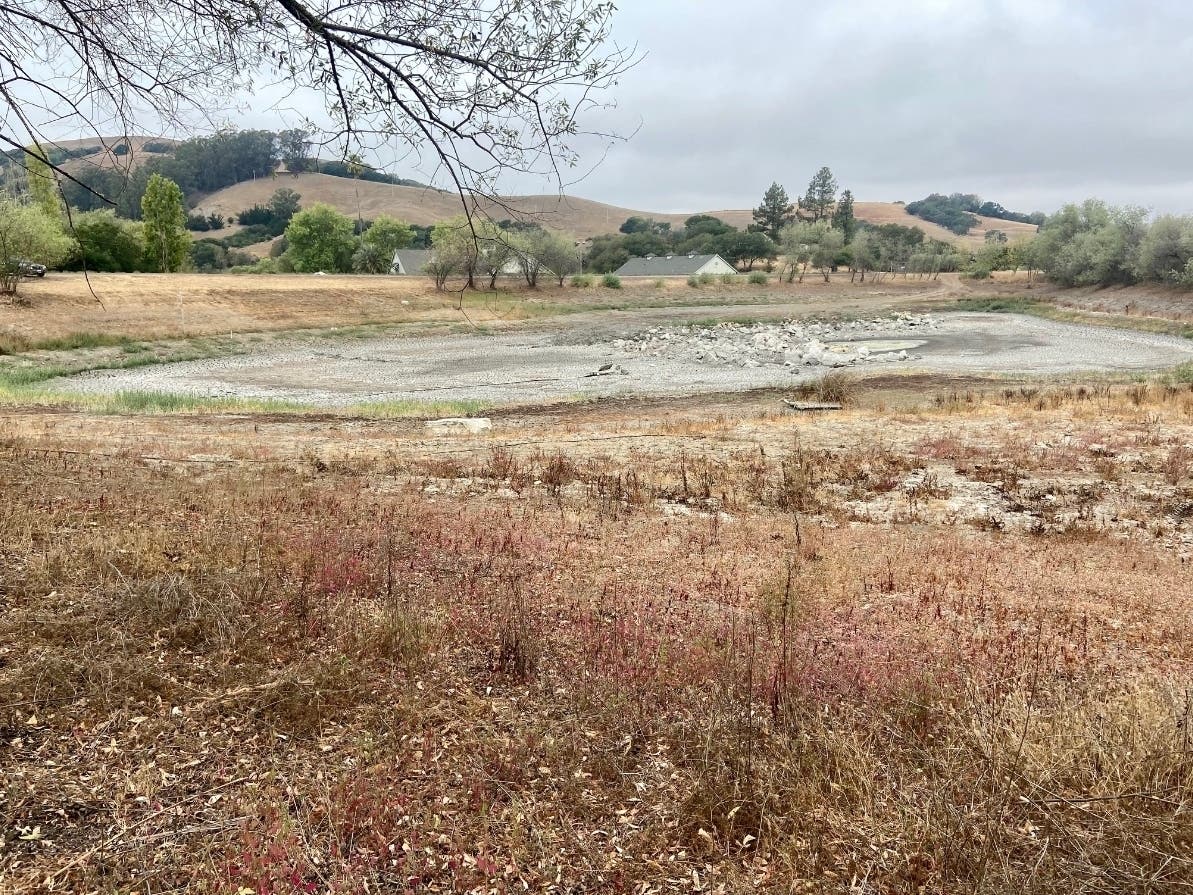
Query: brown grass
{"points": [[173, 305], [148, 306], [728, 649], [891, 213], [571, 214]]}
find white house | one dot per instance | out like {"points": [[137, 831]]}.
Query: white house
{"points": [[675, 266], [412, 262]]}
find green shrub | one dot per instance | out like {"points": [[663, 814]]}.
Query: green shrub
{"points": [[248, 236], [758, 278], [659, 284], [728, 279], [694, 281], [979, 273], [611, 281], [581, 281], [707, 279]]}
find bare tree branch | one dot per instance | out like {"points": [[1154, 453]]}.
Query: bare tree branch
{"points": [[483, 88]]}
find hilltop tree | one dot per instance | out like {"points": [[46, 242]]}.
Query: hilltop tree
{"points": [[478, 89], [817, 203], [293, 146], [775, 212], [843, 218], [320, 239], [166, 244]]}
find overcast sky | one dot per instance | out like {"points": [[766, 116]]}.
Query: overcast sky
{"points": [[1030, 103]]}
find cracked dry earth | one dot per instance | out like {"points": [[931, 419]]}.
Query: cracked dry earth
{"points": [[1065, 510], [1080, 460], [556, 362], [996, 467]]}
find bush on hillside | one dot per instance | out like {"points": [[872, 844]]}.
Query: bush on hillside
{"points": [[249, 236]]}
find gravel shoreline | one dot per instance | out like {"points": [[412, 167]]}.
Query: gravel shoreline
{"points": [[546, 365]]}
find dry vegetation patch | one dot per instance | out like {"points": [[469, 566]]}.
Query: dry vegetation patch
{"points": [[729, 652]]}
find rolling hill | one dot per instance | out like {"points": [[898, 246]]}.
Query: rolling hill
{"points": [[106, 157], [571, 214]]}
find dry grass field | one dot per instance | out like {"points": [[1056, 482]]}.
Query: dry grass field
{"points": [[147, 306], [581, 217], [892, 213], [939, 642], [170, 306]]}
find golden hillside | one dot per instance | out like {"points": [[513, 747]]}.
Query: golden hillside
{"points": [[571, 214]]}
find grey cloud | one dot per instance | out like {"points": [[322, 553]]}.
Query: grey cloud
{"points": [[1027, 102]]}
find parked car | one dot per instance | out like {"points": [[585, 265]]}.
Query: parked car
{"points": [[32, 269]]}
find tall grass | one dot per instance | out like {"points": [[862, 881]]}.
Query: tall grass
{"points": [[350, 680]]}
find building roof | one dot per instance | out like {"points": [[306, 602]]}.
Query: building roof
{"points": [[413, 260], [665, 265]]}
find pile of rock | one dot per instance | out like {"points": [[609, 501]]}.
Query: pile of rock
{"points": [[792, 343]]}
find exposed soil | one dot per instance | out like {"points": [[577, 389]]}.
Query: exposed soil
{"points": [[555, 363]]}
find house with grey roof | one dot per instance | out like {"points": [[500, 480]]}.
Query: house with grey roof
{"points": [[411, 261], [675, 266]]}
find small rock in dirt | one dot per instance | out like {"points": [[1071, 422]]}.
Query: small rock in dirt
{"points": [[457, 425]]}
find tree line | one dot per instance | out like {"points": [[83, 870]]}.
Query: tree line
{"points": [[1096, 244], [202, 165], [958, 212]]}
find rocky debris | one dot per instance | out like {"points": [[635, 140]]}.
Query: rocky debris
{"points": [[812, 406], [792, 343], [460, 425], [608, 370]]}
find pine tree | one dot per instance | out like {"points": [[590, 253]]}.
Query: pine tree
{"points": [[775, 212], [843, 218], [817, 203]]}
